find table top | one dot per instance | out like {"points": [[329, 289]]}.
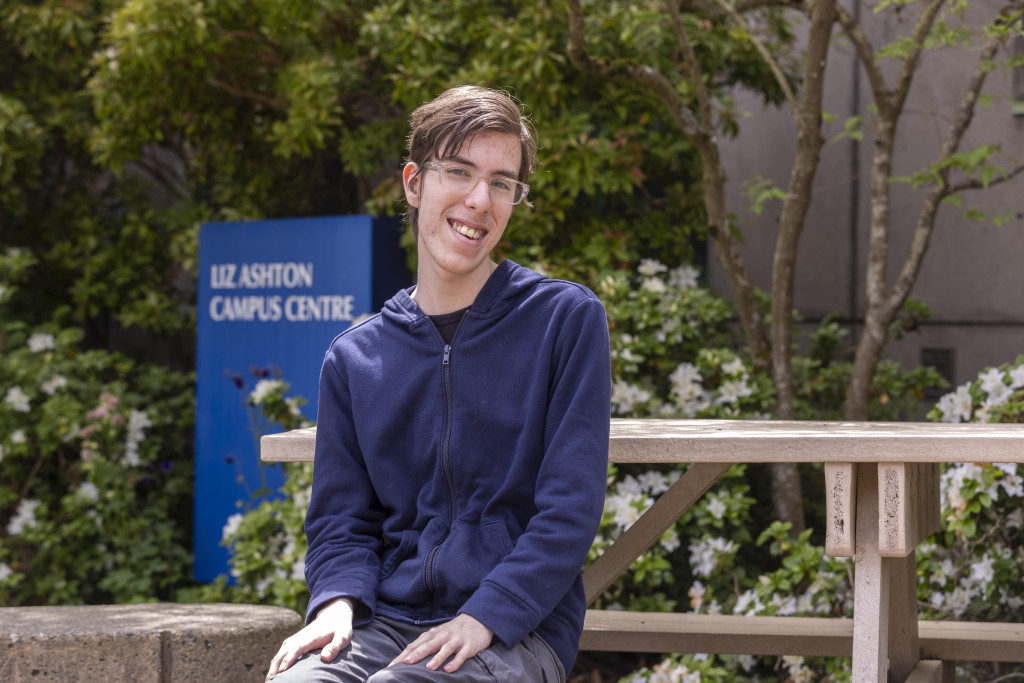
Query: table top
{"points": [[668, 441]]}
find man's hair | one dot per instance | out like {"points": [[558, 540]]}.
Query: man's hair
{"points": [[439, 128]]}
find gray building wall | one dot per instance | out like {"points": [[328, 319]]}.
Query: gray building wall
{"points": [[973, 274]]}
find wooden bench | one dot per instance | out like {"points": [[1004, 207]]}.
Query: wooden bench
{"points": [[882, 483]]}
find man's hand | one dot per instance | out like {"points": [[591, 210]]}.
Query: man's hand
{"points": [[461, 639], [331, 630]]}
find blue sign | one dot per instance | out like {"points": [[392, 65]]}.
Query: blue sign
{"points": [[272, 296]]}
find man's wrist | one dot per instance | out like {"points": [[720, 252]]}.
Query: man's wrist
{"points": [[337, 604]]}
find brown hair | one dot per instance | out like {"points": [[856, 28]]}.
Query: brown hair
{"points": [[439, 128]]}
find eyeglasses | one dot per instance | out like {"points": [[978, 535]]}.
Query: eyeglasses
{"points": [[461, 179]]}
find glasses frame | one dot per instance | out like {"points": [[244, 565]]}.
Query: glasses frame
{"points": [[439, 166]]}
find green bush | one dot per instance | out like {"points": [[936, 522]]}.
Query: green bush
{"points": [[95, 466]]}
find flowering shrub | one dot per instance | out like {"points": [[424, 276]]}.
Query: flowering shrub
{"points": [[267, 539], [95, 470], [974, 567]]}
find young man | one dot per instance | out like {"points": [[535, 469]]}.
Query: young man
{"points": [[462, 439]]}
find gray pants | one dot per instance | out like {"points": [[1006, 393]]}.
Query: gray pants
{"points": [[374, 646]]}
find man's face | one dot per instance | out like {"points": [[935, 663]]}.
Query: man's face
{"points": [[458, 231]]}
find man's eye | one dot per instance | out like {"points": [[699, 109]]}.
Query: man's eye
{"points": [[499, 184], [456, 172]]}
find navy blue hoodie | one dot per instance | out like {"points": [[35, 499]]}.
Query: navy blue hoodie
{"points": [[470, 477]]}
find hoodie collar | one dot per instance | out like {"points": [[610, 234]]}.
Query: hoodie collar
{"points": [[508, 279]]}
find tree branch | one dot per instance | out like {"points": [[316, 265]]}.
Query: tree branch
{"points": [[766, 55], [866, 54], [975, 184], [644, 75], [271, 102], [703, 138], [714, 13], [926, 221], [692, 66], [798, 199], [909, 66]]}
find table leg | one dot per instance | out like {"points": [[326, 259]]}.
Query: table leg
{"points": [[871, 586], [904, 649]]}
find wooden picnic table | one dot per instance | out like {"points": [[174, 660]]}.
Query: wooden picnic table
{"points": [[882, 500]]}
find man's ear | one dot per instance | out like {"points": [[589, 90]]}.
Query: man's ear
{"points": [[412, 181]]}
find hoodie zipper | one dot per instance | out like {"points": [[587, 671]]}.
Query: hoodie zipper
{"points": [[446, 464]]}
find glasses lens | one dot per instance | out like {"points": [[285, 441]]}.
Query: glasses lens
{"points": [[461, 179]]}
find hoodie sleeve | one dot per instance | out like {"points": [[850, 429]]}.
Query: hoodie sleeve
{"points": [[528, 585], [343, 523]]}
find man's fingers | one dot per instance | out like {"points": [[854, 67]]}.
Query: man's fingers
{"points": [[336, 645], [459, 659], [442, 656]]}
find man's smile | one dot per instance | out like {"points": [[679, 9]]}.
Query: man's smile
{"points": [[465, 230]]}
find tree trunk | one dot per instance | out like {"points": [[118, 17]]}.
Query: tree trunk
{"points": [[787, 493]]}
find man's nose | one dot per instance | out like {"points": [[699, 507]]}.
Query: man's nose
{"points": [[480, 198]]}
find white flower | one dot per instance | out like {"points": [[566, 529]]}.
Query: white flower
{"points": [[1015, 519], [685, 381], [650, 267], [732, 391], [51, 385], [298, 572], [1017, 377], [653, 284], [734, 368], [5, 571], [785, 606], [957, 406], [18, 436], [717, 508], [231, 527], [654, 482], [626, 396], [946, 571], [24, 517], [982, 570], [991, 380], [301, 498], [746, 662], [263, 389], [89, 490], [704, 554], [40, 341], [626, 509], [17, 399], [684, 277], [1014, 602], [998, 395], [670, 540], [138, 421], [748, 604], [630, 357], [960, 600]]}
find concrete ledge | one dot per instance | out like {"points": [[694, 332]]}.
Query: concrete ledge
{"points": [[156, 642]]}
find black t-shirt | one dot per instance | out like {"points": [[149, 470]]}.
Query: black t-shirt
{"points": [[448, 323]]}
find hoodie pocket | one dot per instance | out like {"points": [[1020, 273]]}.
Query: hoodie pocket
{"points": [[395, 554], [466, 557]]}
